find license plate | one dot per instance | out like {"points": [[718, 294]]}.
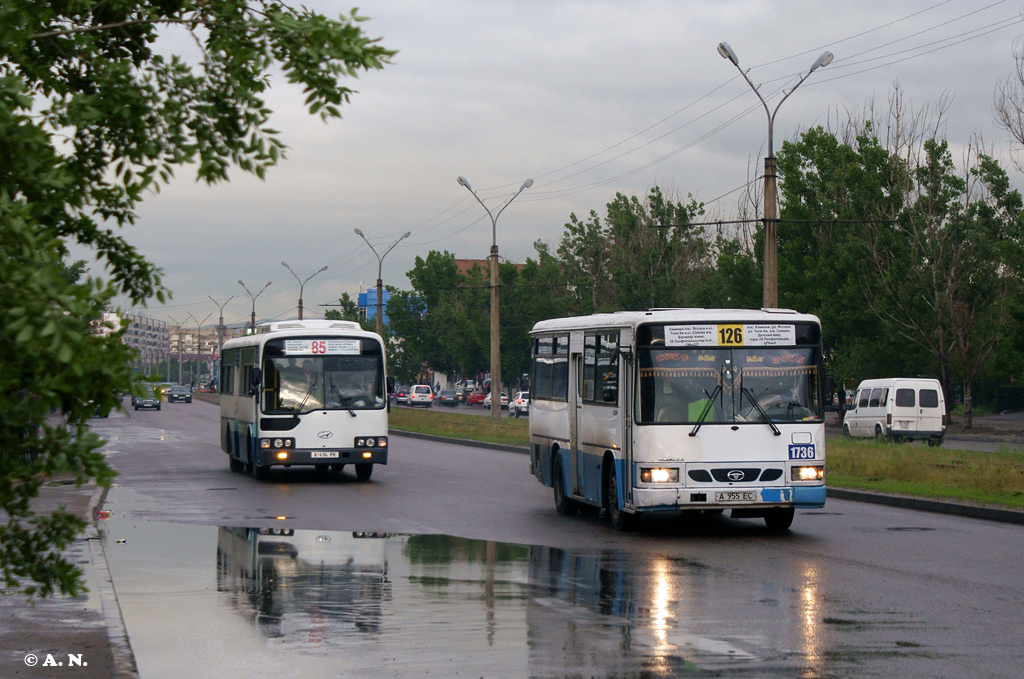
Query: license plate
{"points": [[324, 453], [736, 496]]}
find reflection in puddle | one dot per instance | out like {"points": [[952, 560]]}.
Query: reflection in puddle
{"points": [[309, 603]]}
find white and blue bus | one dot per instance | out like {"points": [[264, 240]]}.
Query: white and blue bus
{"points": [[308, 392], [680, 410]]}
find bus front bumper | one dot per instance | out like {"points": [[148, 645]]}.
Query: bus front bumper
{"points": [[730, 497], [300, 456]]}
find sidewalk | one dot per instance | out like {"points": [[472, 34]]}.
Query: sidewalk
{"points": [[41, 638]]}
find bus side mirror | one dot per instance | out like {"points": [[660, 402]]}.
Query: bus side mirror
{"points": [[255, 376]]}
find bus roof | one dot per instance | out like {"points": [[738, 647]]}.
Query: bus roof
{"points": [[295, 328], [621, 319]]}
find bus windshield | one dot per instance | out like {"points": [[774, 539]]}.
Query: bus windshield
{"points": [[294, 383], [728, 385]]}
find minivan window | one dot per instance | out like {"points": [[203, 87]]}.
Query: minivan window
{"points": [[929, 398], [863, 402], [905, 398], [876, 394]]}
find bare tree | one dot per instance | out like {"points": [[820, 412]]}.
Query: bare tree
{"points": [[1008, 103]]}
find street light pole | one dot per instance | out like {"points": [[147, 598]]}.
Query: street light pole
{"points": [[302, 283], [177, 323], [380, 282], [199, 346], [220, 322], [495, 310], [770, 289], [252, 325]]}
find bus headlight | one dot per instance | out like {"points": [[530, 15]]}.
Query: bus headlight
{"points": [[808, 473], [277, 443], [659, 475], [371, 442]]}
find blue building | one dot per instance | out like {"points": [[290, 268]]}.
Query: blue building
{"points": [[368, 304]]}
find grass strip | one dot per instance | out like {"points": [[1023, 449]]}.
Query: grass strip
{"points": [[509, 430]]}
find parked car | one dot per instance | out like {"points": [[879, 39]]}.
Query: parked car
{"points": [[899, 408], [476, 396], [487, 400], [401, 395], [448, 397], [179, 392], [421, 395], [520, 404]]}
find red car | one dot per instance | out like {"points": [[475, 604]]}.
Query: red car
{"points": [[476, 396]]}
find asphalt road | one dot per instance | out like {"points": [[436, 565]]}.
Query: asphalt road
{"points": [[480, 573]]}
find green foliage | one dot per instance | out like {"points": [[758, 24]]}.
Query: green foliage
{"points": [[348, 310], [91, 117]]}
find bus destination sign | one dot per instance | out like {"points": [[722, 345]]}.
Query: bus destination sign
{"points": [[730, 335], [322, 347]]}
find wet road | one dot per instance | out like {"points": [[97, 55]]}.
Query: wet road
{"points": [[452, 562]]}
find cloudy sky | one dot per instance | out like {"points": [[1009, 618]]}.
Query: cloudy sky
{"points": [[588, 98]]}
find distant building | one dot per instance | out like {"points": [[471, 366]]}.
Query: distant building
{"points": [[367, 302], [148, 336]]}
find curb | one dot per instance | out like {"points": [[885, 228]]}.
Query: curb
{"points": [[123, 657], [902, 501], [925, 505]]}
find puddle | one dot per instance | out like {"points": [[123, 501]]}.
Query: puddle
{"points": [[205, 601]]}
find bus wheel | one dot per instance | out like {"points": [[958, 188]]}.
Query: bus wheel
{"points": [[620, 520], [563, 505], [259, 473], [846, 430], [879, 436], [364, 471], [235, 465], [779, 519]]}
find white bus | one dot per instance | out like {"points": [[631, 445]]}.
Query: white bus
{"points": [[304, 393], [673, 410]]}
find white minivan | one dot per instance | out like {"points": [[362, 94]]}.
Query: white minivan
{"points": [[898, 408]]}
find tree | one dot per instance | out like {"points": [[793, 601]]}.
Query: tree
{"points": [[92, 117], [644, 254]]}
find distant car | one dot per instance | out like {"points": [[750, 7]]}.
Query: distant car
{"points": [[401, 394], [179, 392], [520, 404], [476, 396], [487, 400], [421, 395], [448, 397]]}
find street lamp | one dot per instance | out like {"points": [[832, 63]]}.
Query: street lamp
{"points": [[380, 283], [253, 297], [302, 283], [199, 346], [495, 327], [771, 234]]}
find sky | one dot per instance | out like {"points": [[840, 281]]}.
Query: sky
{"points": [[587, 98]]}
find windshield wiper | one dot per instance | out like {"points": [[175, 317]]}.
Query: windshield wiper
{"points": [[760, 410], [309, 392], [343, 400], [707, 407]]}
